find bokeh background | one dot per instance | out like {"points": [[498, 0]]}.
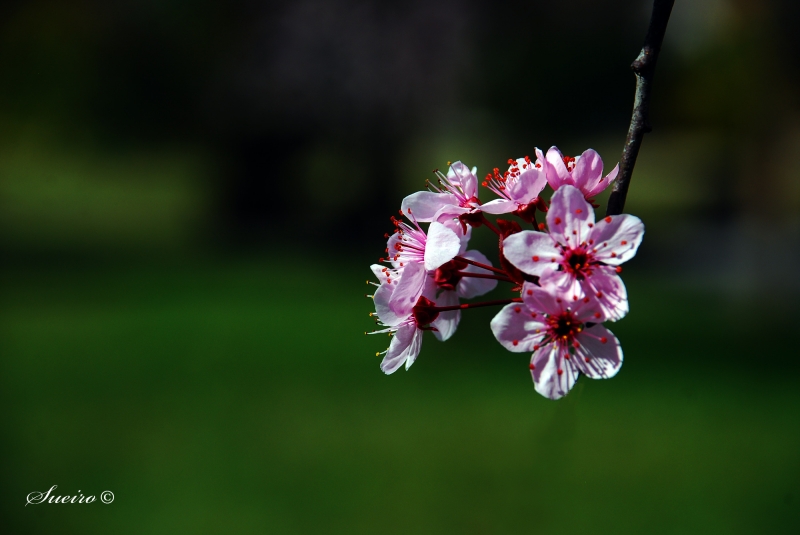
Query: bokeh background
{"points": [[191, 194]]}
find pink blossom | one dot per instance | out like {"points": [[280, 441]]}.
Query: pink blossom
{"points": [[456, 194], [415, 253], [564, 336], [578, 256], [404, 325], [585, 172], [518, 189]]}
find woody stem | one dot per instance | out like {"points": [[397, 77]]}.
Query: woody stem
{"points": [[644, 68]]}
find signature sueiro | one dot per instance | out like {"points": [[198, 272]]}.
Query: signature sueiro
{"points": [[37, 497]]}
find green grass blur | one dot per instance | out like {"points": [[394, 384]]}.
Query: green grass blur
{"points": [[242, 397]]}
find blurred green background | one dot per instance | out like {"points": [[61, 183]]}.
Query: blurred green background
{"points": [[190, 197]]}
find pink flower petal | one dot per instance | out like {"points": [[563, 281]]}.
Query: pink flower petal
{"points": [[528, 185], [556, 172], [383, 276], [588, 170], [530, 251], [425, 204], [442, 246], [616, 238], [404, 348], [449, 212], [553, 376], [515, 328], [600, 355], [460, 174], [607, 288], [469, 287], [408, 289], [603, 183], [565, 283], [540, 299], [499, 206], [446, 322], [569, 217], [382, 298], [540, 159], [455, 226]]}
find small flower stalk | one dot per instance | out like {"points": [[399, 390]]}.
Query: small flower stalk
{"points": [[557, 264]]}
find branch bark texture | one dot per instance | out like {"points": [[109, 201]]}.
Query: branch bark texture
{"points": [[644, 68]]}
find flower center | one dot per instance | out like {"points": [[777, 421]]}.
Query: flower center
{"points": [[569, 161], [578, 262], [563, 327]]}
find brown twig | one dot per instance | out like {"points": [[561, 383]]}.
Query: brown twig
{"points": [[644, 68]]}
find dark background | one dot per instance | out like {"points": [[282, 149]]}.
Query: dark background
{"points": [[191, 194]]}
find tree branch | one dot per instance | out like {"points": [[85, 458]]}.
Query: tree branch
{"points": [[644, 68]]}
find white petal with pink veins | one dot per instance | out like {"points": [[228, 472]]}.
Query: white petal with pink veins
{"points": [[469, 287], [547, 363], [404, 348], [588, 170], [616, 238], [408, 290], [530, 251], [515, 328], [425, 204], [601, 354], [442, 246], [570, 216]]}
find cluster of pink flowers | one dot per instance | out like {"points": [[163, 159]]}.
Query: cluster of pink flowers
{"points": [[564, 275]]}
